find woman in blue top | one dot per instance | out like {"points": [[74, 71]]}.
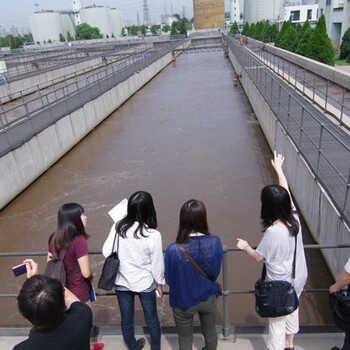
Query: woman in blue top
{"points": [[190, 292]]}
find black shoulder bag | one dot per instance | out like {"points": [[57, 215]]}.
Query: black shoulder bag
{"points": [[339, 305], [275, 298], [110, 268]]}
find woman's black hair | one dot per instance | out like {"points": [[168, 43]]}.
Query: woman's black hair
{"points": [[193, 218], [69, 226], [276, 205], [140, 209]]}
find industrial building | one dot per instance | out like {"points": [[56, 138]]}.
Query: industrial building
{"points": [[47, 25], [260, 10], [209, 14]]}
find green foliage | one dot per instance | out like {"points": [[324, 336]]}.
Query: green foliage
{"points": [[123, 32], [251, 31], [112, 36], [15, 42], [166, 28], [49, 41], [180, 27], [288, 40], [272, 32], [285, 26], [143, 30], [62, 38], [155, 29], [345, 45], [245, 29], [259, 28], [69, 37], [304, 42], [301, 31], [173, 30], [85, 32], [133, 30], [320, 48], [234, 28], [107, 36]]}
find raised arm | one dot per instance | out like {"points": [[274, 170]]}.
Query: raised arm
{"points": [[277, 163]]}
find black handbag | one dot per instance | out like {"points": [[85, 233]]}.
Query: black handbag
{"points": [[339, 305], [110, 268], [275, 298]]}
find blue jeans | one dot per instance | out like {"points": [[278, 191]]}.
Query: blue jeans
{"points": [[126, 301]]}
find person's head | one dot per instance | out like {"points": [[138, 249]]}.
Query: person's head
{"points": [[276, 205], [193, 218], [71, 221], [41, 301], [140, 209]]}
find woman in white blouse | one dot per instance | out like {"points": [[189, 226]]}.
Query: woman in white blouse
{"points": [[141, 270]]}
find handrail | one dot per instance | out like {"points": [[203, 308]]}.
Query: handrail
{"points": [[227, 331]]}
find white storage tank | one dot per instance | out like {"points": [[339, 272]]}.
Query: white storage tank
{"points": [[116, 22], [259, 10], [97, 16], [47, 25]]}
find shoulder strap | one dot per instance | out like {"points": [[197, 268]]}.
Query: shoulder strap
{"points": [[192, 261], [115, 236], [263, 272]]}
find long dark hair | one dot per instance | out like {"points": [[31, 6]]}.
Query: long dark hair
{"points": [[140, 209], [276, 205], [69, 225], [193, 218]]}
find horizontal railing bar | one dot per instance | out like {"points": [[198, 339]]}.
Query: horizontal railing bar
{"points": [[97, 252]]}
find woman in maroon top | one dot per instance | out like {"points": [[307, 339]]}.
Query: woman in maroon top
{"points": [[70, 241]]}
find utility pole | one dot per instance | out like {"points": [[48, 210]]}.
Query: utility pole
{"points": [[37, 7], [146, 15]]}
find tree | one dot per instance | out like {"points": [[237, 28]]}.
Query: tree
{"points": [[288, 39], [85, 32], [62, 38], [245, 29], [69, 37], [155, 28], [49, 41], [133, 30], [345, 45], [173, 30], [143, 30], [301, 32], [166, 28], [320, 48], [234, 28], [304, 42], [123, 32], [251, 31], [285, 26]]}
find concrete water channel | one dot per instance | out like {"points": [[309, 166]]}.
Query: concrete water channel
{"points": [[189, 133]]}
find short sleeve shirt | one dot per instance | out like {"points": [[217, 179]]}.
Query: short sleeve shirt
{"points": [[76, 283], [347, 266]]}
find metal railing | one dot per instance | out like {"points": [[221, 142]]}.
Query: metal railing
{"points": [[323, 144], [227, 328], [22, 121], [334, 99]]}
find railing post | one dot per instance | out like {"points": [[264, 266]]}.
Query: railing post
{"points": [[226, 327], [319, 150]]}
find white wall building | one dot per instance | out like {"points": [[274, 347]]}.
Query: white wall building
{"points": [[337, 13], [301, 13], [235, 11], [259, 10], [47, 25]]}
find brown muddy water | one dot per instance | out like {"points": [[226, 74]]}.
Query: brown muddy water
{"points": [[189, 133]]}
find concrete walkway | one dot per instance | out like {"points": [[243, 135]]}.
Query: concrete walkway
{"points": [[315, 341]]}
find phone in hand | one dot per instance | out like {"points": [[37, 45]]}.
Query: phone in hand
{"points": [[19, 269]]}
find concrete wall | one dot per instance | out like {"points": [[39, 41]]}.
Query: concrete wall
{"points": [[22, 166], [320, 215], [18, 88]]}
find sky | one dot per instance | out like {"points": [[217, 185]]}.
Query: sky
{"points": [[16, 12]]}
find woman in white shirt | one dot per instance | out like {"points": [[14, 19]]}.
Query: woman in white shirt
{"points": [[141, 269], [280, 227]]}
